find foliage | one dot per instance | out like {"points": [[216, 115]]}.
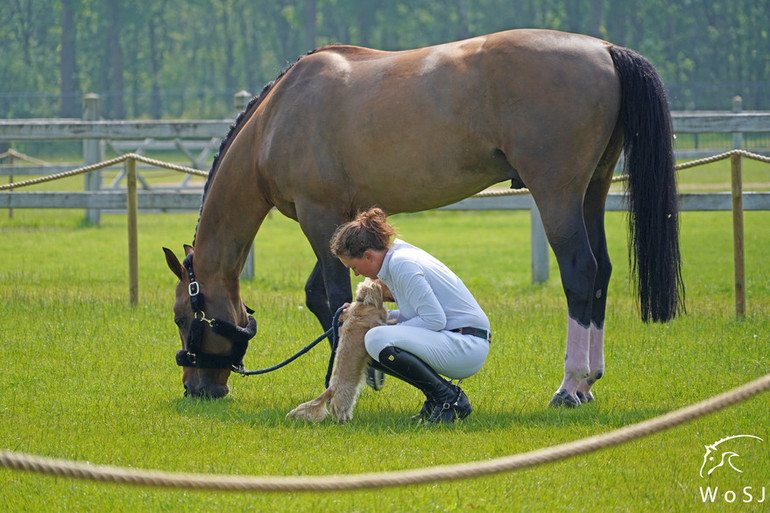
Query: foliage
{"points": [[85, 376], [182, 58]]}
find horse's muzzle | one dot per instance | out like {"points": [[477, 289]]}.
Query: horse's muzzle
{"points": [[206, 390]]}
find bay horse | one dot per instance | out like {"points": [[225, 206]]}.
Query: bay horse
{"points": [[345, 128]]}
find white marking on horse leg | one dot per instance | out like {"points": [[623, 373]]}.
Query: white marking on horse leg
{"points": [[596, 364], [576, 364]]}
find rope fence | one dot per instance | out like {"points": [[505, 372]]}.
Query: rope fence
{"points": [[198, 172], [12, 155], [132, 206], [101, 165], [342, 482], [678, 167]]}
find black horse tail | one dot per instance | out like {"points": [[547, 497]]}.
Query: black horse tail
{"points": [[653, 203]]}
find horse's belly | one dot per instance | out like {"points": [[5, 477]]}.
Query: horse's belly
{"points": [[433, 181]]}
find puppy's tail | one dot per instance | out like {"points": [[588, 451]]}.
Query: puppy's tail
{"points": [[314, 410]]}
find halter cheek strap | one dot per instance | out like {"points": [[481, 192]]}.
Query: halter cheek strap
{"points": [[192, 356]]}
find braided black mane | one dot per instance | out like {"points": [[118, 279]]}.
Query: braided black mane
{"points": [[240, 121]]}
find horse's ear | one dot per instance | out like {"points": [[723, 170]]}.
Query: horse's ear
{"points": [[173, 263], [187, 249]]}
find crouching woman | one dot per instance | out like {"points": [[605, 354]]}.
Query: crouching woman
{"points": [[440, 328]]}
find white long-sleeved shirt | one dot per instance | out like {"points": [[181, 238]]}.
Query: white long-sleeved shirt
{"points": [[428, 294]]}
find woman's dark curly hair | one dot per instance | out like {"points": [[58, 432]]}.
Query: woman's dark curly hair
{"points": [[369, 230]]}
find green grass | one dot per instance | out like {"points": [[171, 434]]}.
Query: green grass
{"points": [[85, 376]]}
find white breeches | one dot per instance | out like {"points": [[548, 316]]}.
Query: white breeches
{"points": [[450, 354]]}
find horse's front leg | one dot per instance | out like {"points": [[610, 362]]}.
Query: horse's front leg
{"points": [[328, 286], [316, 299]]}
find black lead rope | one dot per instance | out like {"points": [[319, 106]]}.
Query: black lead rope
{"points": [[333, 331], [335, 341]]}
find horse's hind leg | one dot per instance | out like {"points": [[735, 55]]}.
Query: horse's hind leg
{"points": [[593, 215], [596, 235], [568, 237]]}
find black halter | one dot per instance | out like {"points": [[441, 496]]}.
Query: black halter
{"points": [[239, 336]]}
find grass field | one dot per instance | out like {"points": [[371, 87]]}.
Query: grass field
{"points": [[86, 376]]}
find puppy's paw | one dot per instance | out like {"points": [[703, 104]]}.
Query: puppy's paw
{"points": [[309, 411]]}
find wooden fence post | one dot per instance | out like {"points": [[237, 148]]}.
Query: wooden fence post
{"points": [[10, 179], [738, 255], [133, 236], [242, 99], [92, 154], [736, 186], [737, 136]]}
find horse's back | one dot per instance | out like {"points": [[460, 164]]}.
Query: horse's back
{"points": [[420, 128]]}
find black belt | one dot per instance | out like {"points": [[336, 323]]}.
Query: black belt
{"points": [[476, 332]]}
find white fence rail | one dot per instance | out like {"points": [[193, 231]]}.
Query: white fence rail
{"points": [[191, 201], [74, 129]]}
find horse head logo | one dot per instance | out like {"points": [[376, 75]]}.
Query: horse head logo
{"points": [[713, 453]]}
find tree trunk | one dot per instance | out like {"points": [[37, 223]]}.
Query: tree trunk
{"points": [[117, 87], [310, 20], [156, 107], [227, 36], [595, 20], [366, 17], [68, 84]]}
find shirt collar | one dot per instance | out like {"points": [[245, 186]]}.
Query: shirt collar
{"points": [[385, 268]]}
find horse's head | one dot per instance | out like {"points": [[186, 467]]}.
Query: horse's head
{"points": [[214, 334]]}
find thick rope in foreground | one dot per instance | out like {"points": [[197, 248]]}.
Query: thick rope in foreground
{"points": [[340, 482]]}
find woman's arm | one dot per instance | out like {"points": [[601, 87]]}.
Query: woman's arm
{"points": [[415, 291]]}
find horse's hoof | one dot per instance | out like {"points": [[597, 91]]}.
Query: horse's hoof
{"points": [[565, 399], [584, 398]]}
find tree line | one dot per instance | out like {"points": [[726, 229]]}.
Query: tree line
{"points": [[187, 58]]}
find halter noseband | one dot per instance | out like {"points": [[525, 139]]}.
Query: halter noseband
{"points": [[239, 336]]}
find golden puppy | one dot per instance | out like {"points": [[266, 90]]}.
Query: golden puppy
{"points": [[351, 360]]}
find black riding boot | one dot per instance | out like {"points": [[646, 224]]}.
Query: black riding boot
{"points": [[448, 401], [427, 406]]}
